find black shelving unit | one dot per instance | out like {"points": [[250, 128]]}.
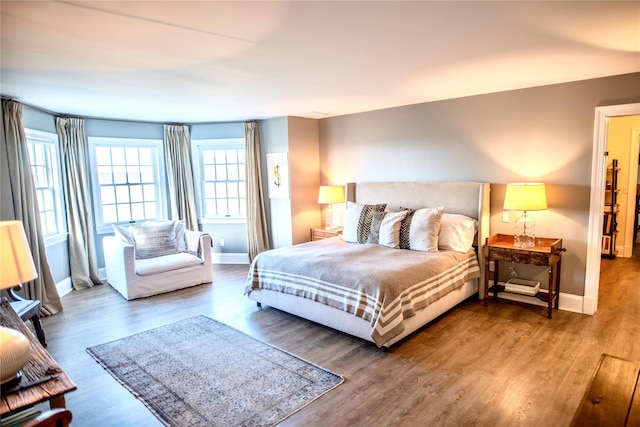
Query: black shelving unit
{"points": [[610, 221]]}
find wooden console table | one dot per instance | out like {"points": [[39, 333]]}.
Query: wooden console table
{"points": [[48, 381], [613, 395]]}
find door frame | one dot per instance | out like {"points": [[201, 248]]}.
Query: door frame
{"points": [[598, 170]]}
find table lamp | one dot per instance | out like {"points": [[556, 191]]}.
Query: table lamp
{"points": [[330, 194], [525, 197], [16, 267]]}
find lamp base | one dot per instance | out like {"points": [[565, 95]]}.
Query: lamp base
{"points": [[15, 351], [525, 232], [11, 384]]}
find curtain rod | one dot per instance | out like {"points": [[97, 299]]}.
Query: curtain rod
{"points": [[53, 113]]}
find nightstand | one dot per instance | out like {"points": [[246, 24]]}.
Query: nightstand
{"points": [[546, 252], [325, 233]]}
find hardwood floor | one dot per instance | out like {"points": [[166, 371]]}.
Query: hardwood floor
{"points": [[501, 365]]}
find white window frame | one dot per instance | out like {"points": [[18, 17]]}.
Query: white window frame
{"points": [[50, 141], [103, 227], [197, 146]]}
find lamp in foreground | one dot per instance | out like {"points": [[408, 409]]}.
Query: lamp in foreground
{"points": [[16, 267], [525, 197], [330, 194]]}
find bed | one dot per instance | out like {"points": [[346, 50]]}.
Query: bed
{"points": [[375, 291]]}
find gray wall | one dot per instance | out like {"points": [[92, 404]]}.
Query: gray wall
{"points": [[537, 134]]}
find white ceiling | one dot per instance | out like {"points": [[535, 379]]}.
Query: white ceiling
{"points": [[210, 61]]}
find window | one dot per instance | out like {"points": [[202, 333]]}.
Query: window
{"points": [[43, 154], [220, 178], [127, 180]]}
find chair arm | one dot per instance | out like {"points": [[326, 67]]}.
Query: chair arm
{"points": [[119, 259], [199, 244]]}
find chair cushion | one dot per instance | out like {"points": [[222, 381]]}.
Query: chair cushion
{"points": [[149, 266]]}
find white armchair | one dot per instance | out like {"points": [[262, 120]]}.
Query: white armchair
{"points": [[137, 278]]}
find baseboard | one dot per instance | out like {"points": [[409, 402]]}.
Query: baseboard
{"points": [[230, 258], [64, 286]]}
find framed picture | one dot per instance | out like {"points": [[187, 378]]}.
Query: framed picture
{"points": [[278, 175]]}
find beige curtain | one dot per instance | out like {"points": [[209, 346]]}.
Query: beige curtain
{"points": [[77, 195], [177, 157], [25, 207], [257, 234]]}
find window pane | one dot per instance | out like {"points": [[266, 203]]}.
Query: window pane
{"points": [[103, 155], [210, 190], [221, 172], [233, 173], [131, 155], [147, 174], [119, 175], [221, 206], [146, 156], [136, 193], [220, 158], [117, 156], [221, 190], [209, 173], [232, 189], [122, 195], [149, 192], [107, 195], [109, 213], [133, 174], [124, 212], [137, 211], [233, 207], [232, 156], [104, 175], [207, 157], [150, 210]]}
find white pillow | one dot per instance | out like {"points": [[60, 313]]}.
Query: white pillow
{"points": [[181, 243], [124, 233], [357, 223], [457, 232], [385, 228], [424, 229]]}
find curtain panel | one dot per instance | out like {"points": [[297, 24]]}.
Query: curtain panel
{"points": [[257, 234], [25, 207], [78, 202], [177, 157]]}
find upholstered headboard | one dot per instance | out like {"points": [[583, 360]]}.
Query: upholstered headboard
{"points": [[466, 198]]}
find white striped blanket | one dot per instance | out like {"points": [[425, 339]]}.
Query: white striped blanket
{"points": [[374, 282]]}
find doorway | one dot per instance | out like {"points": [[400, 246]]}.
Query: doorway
{"points": [[594, 232]]}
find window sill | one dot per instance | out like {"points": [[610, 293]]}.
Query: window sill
{"points": [[222, 220], [54, 240]]}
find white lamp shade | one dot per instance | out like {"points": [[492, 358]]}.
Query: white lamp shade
{"points": [[16, 262], [525, 197], [331, 194]]}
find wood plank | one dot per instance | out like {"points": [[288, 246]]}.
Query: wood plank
{"points": [[608, 398]]}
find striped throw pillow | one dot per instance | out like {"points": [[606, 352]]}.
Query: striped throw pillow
{"points": [[358, 218]]}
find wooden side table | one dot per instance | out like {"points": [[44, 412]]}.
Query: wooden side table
{"points": [[42, 378], [324, 233], [546, 252]]}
